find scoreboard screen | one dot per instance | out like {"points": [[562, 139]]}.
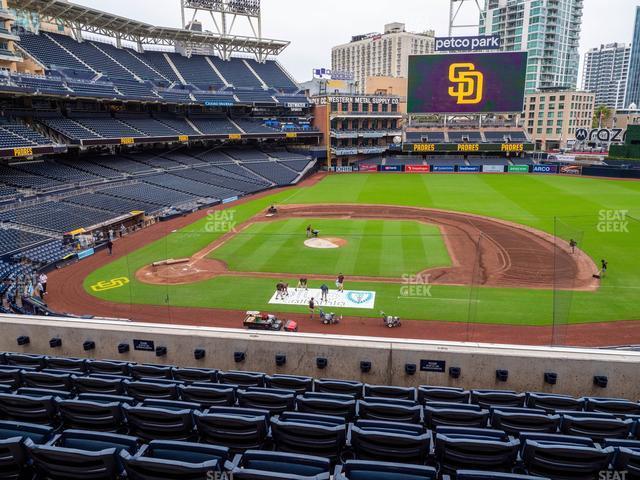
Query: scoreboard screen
{"points": [[467, 82]]}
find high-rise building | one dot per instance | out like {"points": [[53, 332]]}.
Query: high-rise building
{"points": [[549, 30], [385, 54], [605, 74], [633, 83]]}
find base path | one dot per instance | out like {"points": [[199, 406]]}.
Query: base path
{"points": [[484, 251], [66, 294]]}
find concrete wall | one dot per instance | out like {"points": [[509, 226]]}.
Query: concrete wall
{"points": [[479, 362]]}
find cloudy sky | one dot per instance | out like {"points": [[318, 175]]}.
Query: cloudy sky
{"points": [[314, 27]]}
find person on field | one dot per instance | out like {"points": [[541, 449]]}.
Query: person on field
{"points": [[604, 267], [302, 284], [325, 292], [43, 281], [573, 244], [340, 283], [110, 247], [312, 307], [309, 231], [39, 291]]}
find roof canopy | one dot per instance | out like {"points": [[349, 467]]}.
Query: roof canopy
{"points": [[85, 19]]}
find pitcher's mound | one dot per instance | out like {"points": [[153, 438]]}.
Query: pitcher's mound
{"points": [[325, 242]]}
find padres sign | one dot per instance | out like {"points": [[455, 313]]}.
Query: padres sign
{"points": [[467, 83], [110, 284]]}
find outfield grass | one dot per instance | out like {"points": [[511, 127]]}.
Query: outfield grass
{"points": [[569, 207], [374, 248]]}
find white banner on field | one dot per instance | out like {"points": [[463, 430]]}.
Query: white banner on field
{"points": [[335, 299]]}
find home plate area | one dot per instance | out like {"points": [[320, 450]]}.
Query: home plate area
{"points": [[346, 299]]}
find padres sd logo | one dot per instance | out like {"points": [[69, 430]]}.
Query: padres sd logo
{"points": [[110, 284], [468, 83]]}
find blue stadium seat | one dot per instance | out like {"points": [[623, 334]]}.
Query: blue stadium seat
{"points": [[175, 460], [209, 394], [304, 432], [157, 423], [237, 428], [387, 391], [497, 398], [459, 448], [559, 456], [390, 441], [260, 465], [343, 387], [81, 455], [274, 400], [551, 402], [13, 454], [99, 384], [389, 410], [515, 421], [27, 408], [336, 405], [370, 470], [85, 414], [454, 415]]}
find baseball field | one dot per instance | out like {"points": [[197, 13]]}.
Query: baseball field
{"points": [[431, 247]]}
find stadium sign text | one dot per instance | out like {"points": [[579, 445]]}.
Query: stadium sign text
{"points": [[468, 44], [518, 169], [468, 147], [545, 169], [604, 135], [357, 100], [512, 147]]}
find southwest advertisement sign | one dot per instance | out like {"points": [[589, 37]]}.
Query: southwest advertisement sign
{"points": [[467, 82], [545, 169], [571, 170], [518, 168], [443, 168], [417, 168], [468, 44], [469, 168], [493, 168]]}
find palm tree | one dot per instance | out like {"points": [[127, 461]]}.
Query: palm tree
{"points": [[601, 116]]}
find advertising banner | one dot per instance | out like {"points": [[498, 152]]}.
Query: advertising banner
{"points": [[417, 168], [545, 169], [493, 168], [468, 168], [335, 299], [86, 253], [466, 82], [443, 168], [518, 168], [571, 170], [390, 168]]}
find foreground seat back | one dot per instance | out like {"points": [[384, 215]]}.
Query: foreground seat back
{"points": [[597, 426], [105, 386], [144, 371], [428, 394], [328, 404], [143, 390], [390, 411], [192, 375], [209, 395], [550, 403], [25, 408], [242, 379], [514, 421], [482, 450], [256, 462], [175, 460], [51, 381], [371, 470], [454, 415], [77, 454], [91, 415], [152, 423], [301, 433], [237, 428], [497, 398], [342, 387], [390, 441], [275, 401], [13, 454], [387, 391]]}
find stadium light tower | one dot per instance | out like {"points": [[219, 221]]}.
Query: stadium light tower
{"points": [[224, 14], [464, 8]]}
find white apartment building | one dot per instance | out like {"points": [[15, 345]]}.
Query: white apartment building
{"points": [[381, 54]]}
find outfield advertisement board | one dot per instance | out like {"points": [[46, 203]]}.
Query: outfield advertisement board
{"points": [[363, 167], [390, 168], [518, 169], [466, 82], [493, 168], [571, 170], [417, 168], [545, 169], [469, 168], [443, 168]]}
